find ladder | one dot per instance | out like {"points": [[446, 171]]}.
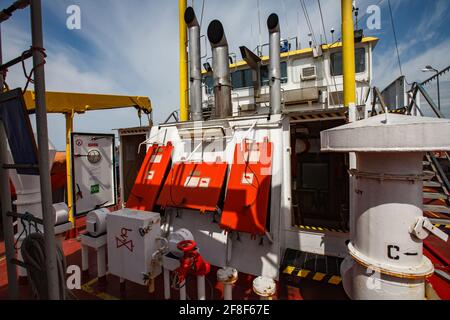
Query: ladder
{"points": [[436, 191]]}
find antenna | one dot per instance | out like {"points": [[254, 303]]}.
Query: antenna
{"points": [[259, 26], [356, 10], [287, 21], [298, 29], [332, 35], [251, 35]]}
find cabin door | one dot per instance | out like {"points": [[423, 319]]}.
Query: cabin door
{"points": [[320, 180]]}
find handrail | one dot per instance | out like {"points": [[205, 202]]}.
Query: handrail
{"points": [[174, 114], [435, 76], [417, 87], [440, 171], [5, 14], [25, 55], [430, 101], [377, 95], [412, 101]]}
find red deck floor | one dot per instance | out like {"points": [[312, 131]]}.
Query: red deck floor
{"points": [[299, 289], [302, 289]]}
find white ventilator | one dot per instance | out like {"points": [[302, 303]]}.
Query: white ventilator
{"points": [[386, 258], [96, 222]]}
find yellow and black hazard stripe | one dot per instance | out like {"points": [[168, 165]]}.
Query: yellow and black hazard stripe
{"points": [[319, 116], [442, 226], [312, 228], [316, 276], [400, 110]]}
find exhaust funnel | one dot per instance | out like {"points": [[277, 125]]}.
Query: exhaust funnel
{"points": [[221, 70], [194, 64], [274, 63]]}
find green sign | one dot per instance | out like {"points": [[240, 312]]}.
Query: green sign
{"points": [[95, 188]]}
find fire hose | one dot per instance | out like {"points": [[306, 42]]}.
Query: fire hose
{"points": [[33, 253]]}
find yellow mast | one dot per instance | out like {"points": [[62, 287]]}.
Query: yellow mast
{"points": [[348, 56], [348, 67], [69, 128], [184, 97]]}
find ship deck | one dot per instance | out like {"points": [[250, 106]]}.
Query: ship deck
{"points": [[290, 286]]}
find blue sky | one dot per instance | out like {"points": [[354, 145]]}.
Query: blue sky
{"points": [[131, 47]]}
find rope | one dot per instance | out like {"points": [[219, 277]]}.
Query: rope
{"points": [[33, 253], [27, 217], [311, 30], [333, 78], [308, 21], [395, 38], [30, 75], [247, 162], [259, 28], [323, 23]]}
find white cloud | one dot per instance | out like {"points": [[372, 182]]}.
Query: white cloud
{"points": [[387, 61], [136, 49], [131, 47]]}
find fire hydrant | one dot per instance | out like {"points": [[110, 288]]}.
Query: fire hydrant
{"points": [[192, 263]]}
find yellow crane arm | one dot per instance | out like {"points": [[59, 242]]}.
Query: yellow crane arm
{"points": [[71, 103], [66, 102]]}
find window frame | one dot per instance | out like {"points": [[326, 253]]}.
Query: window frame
{"points": [[333, 69], [246, 72]]}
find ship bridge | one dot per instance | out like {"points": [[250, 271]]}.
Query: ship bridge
{"points": [[311, 81]]}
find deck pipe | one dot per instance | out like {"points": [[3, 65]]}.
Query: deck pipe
{"points": [[166, 283], [201, 295], [195, 75], [228, 277], [227, 291], [101, 265], [223, 107], [44, 170], [274, 63], [183, 291], [84, 259]]}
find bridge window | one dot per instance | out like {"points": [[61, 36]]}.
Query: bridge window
{"points": [[336, 62], [243, 78], [209, 83], [265, 74]]}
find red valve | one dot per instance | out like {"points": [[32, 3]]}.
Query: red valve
{"points": [[186, 245], [191, 262]]}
